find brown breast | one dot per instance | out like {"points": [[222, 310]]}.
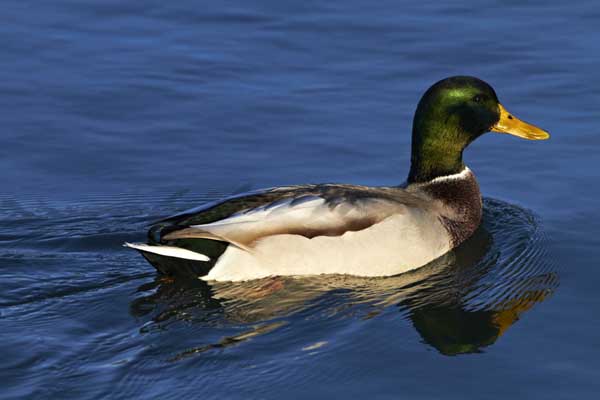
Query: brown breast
{"points": [[460, 202]]}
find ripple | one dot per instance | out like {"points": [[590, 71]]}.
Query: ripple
{"points": [[66, 275]]}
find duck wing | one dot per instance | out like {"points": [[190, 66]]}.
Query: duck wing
{"points": [[309, 211]]}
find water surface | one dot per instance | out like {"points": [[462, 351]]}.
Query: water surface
{"points": [[116, 115]]}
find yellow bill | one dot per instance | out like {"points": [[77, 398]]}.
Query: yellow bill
{"points": [[512, 125]]}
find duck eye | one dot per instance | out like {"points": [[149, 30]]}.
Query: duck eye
{"points": [[478, 98]]}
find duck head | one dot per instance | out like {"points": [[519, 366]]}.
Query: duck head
{"points": [[450, 115]]}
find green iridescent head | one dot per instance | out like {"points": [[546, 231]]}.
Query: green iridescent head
{"points": [[451, 114]]}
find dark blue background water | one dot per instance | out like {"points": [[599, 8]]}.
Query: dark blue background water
{"points": [[113, 115]]}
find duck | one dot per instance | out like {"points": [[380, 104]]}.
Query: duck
{"points": [[348, 229]]}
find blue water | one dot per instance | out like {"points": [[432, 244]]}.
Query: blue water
{"points": [[114, 115]]}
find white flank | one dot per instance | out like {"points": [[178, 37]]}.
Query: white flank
{"points": [[168, 251], [396, 245]]}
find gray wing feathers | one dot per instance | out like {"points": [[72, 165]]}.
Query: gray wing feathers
{"points": [[198, 233], [326, 210]]}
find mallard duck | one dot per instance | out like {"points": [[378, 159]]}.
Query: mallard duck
{"points": [[349, 229]]}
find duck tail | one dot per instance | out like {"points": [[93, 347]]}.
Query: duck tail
{"points": [[168, 251], [173, 259]]}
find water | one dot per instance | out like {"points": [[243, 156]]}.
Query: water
{"points": [[116, 115]]}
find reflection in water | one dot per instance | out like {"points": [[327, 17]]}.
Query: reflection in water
{"points": [[459, 303], [230, 340], [460, 313]]}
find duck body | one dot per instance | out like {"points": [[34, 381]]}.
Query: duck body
{"points": [[348, 229], [323, 229]]}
